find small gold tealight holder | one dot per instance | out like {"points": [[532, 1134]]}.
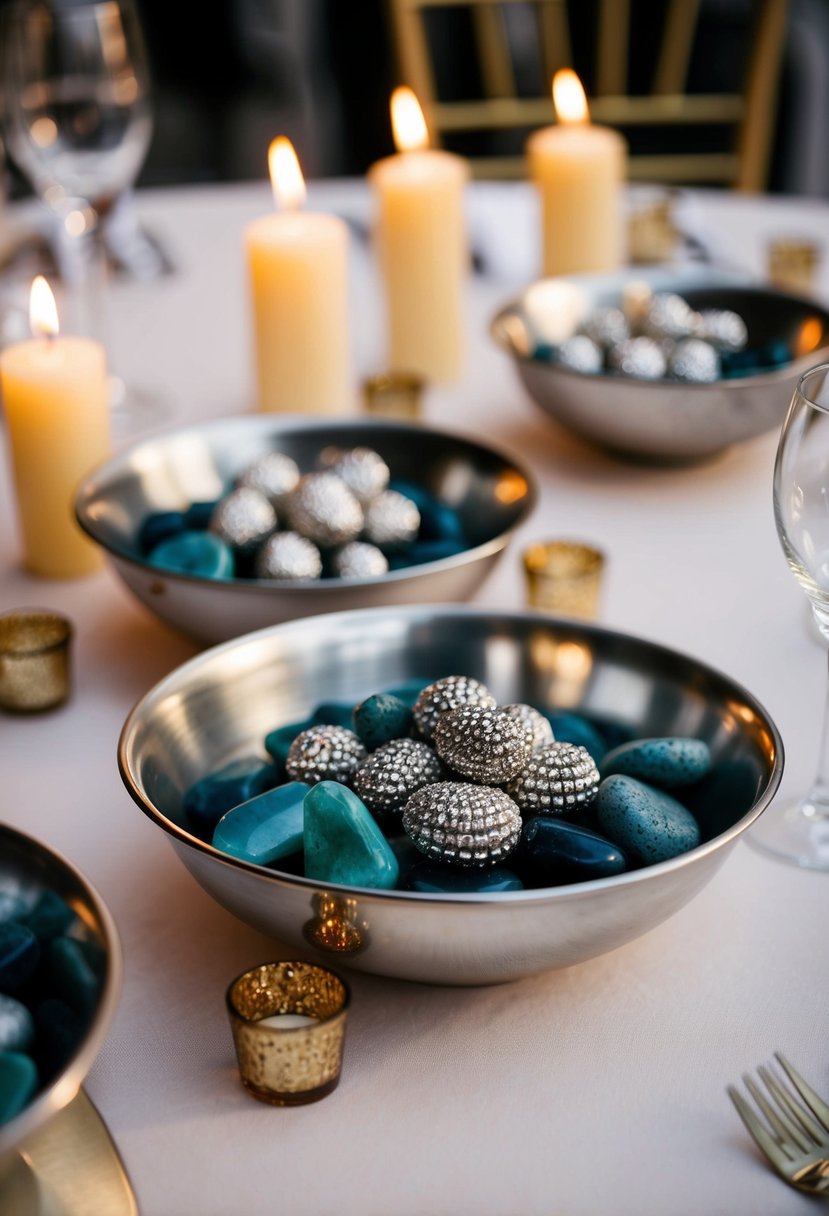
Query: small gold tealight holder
{"points": [[652, 232], [34, 660], [288, 1022], [394, 395], [564, 577], [793, 263]]}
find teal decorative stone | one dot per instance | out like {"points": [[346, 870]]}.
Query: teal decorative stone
{"points": [[381, 718], [198, 514], [573, 728], [423, 551], [198, 553], [343, 843], [73, 978], [159, 526], [266, 827], [18, 1082], [333, 713], [441, 880], [12, 907], [50, 916], [647, 823], [19, 955], [59, 1030], [208, 799], [562, 852], [667, 763], [278, 742], [17, 1029]]}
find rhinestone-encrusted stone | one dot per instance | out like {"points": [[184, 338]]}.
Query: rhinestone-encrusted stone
{"points": [[394, 772], [391, 519], [363, 470], [539, 728], [445, 694], [325, 753], [275, 475], [323, 509], [483, 745], [242, 519], [558, 780], [461, 824]]}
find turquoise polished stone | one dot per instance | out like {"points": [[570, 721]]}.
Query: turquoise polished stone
{"points": [[648, 824], [343, 842], [266, 827], [566, 852], [381, 718], [19, 955], [12, 907], [208, 799], [278, 742], [573, 728], [73, 978], [18, 1082], [17, 1030], [441, 880], [159, 526], [668, 762], [198, 553], [333, 713], [49, 917]]}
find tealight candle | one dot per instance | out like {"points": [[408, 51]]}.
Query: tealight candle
{"points": [[422, 246], [56, 405], [579, 170], [287, 1021], [298, 269]]}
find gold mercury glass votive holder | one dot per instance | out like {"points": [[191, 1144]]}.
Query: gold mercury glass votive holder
{"points": [[564, 577], [394, 395], [34, 660], [288, 1022], [793, 263]]}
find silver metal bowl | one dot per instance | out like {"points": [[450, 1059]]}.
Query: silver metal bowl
{"points": [[27, 868], [665, 420], [491, 492], [221, 704]]}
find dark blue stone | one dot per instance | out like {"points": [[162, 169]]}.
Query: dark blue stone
{"points": [[211, 797], [438, 521], [73, 978], [59, 1029], [647, 823], [198, 515], [200, 554], [423, 551], [566, 852], [49, 917], [265, 828], [381, 718], [442, 880], [278, 742], [333, 713], [18, 1082], [572, 728], [19, 955], [17, 1029], [546, 352], [667, 763], [343, 843], [158, 527]]}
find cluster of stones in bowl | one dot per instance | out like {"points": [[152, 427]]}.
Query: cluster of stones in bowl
{"points": [[657, 336], [440, 789], [344, 519], [51, 975]]}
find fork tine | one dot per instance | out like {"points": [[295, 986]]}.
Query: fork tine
{"points": [[787, 1103], [815, 1103], [760, 1134], [789, 1137]]}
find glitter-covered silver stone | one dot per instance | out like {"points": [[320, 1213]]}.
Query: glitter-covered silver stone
{"points": [[323, 509], [558, 780], [242, 519], [363, 470], [723, 328], [325, 753], [394, 772], [360, 560], [470, 826], [669, 316], [580, 354], [275, 475], [445, 694], [694, 361], [537, 726], [606, 326], [287, 555], [482, 745], [640, 357], [391, 519]]}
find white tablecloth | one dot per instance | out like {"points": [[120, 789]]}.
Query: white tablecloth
{"points": [[598, 1089]]}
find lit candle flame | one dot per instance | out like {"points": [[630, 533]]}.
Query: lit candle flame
{"points": [[43, 311], [287, 181], [407, 121], [568, 97]]}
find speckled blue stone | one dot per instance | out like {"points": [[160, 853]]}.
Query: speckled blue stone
{"points": [[19, 955], [17, 1029], [198, 514], [441, 880], [381, 718], [333, 713], [566, 852], [18, 1082], [158, 527], [213, 796], [667, 763], [198, 553], [572, 728], [265, 828], [74, 979], [278, 742], [12, 907], [647, 823], [343, 843], [49, 917]]}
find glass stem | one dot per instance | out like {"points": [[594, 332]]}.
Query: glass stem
{"points": [[818, 796]]}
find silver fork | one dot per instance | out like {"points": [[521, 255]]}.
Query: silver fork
{"points": [[795, 1134]]}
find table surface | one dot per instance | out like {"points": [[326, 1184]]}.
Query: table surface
{"points": [[595, 1089]]}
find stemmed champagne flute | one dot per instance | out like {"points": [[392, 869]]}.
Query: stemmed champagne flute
{"points": [[801, 510], [78, 121]]}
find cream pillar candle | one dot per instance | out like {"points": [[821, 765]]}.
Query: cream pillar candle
{"points": [[579, 170], [298, 270], [55, 400], [422, 246]]}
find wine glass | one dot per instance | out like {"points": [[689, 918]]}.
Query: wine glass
{"points": [[800, 833], [78, 122]]}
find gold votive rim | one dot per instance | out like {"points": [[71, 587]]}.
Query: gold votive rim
{"points": [[564, 576], [34, 659], [289, 1066], [394, 394]]}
